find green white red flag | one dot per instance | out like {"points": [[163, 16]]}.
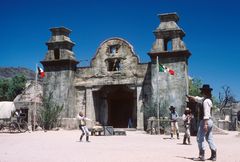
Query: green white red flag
{"points": [[165, 69]]}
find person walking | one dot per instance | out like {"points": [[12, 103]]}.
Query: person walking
{"points": [[173, 120], [82, 126], [206, 124], [187, 117]]}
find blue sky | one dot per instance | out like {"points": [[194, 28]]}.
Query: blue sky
{"points": [[212, 30]]}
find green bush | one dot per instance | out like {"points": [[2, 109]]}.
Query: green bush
{"points": [[49, 113], [194, 86]]}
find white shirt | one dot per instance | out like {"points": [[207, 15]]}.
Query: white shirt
{"points": [[207, 105], [82, 120]]}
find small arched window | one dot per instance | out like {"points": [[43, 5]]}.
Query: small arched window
{"points": [[113, 49], [168, 45]]}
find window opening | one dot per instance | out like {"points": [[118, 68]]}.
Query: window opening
{"points": [[56, 54], [113, 49], [168, 45], [114, 65]]}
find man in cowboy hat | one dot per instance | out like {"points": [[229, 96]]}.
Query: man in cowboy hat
{"points": [[173, 121], [206, 123]]}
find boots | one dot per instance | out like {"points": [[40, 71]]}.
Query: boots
{"points": [[87, 138], [189, 142], [177, 135], [213, 155], [171, 135], [184, 140], [81, 137], [201, 156]]}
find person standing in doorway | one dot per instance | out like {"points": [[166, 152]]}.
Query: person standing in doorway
{"points": [[173, 121], [206, 123], [82, 126]]}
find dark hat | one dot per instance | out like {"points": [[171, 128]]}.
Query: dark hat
{"points": [[171, 108], [206, 87]]}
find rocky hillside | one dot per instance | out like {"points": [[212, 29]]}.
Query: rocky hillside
{"points": [[9, 72]]}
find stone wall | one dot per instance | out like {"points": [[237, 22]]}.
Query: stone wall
{"points": [[60, 83]]}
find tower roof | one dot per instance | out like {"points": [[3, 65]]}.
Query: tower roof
{"points": [[169, 17], [60, 31], [168, 22], [60, 34]]}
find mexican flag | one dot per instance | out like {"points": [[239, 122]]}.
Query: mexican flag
{"points": [[41, 72], [165, 69]]}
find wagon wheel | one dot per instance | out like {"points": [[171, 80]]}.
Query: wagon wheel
{"points": [[23, 126], [13, 127]]}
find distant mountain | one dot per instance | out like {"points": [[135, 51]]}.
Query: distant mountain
{"points": [[9, 72]]}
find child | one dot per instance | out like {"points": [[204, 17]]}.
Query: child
{"points": [[187, 116], [82, 125]]}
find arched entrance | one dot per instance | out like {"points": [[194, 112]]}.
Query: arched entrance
{"points": [[117, 106]]}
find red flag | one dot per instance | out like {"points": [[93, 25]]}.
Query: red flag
{"points": [[41, 72]]}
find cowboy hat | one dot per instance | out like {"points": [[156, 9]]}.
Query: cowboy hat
{"points": [[206, 87], [187, 109]]}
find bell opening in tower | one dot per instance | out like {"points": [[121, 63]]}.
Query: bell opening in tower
{"points": [[56, 54]]}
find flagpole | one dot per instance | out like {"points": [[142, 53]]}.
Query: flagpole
{"points": [[35, 98], [158, 104]]}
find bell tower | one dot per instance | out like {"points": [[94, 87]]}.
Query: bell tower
{"points": [[60, 66], [170, 51]]}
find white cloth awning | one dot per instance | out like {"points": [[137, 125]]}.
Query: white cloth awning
{"points": [[6, 108]]}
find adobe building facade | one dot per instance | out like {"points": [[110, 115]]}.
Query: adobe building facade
{"points": [[116, 88]]}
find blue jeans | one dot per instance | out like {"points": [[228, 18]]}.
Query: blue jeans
{"points": [[207, 135]]}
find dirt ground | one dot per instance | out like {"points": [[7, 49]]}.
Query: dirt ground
{"points": [[136, 146]]}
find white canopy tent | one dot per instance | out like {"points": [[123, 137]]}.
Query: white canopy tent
{"points": [[6, 108]]}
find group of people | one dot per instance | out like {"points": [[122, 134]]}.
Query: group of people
{"points": [[204, 130], [187, 117], [205, 126]]}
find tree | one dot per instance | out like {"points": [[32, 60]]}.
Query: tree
{"points": [[194, 87], [49, 113], [10, 88], [226, 99], [16, 86], [4, 85]]}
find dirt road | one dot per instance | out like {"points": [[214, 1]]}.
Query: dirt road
{"points": [[64, 146]]}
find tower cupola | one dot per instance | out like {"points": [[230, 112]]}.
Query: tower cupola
{"points": [[168, 35], [60, 50]]}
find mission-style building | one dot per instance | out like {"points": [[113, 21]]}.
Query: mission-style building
{"points": [[117, 88]]}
